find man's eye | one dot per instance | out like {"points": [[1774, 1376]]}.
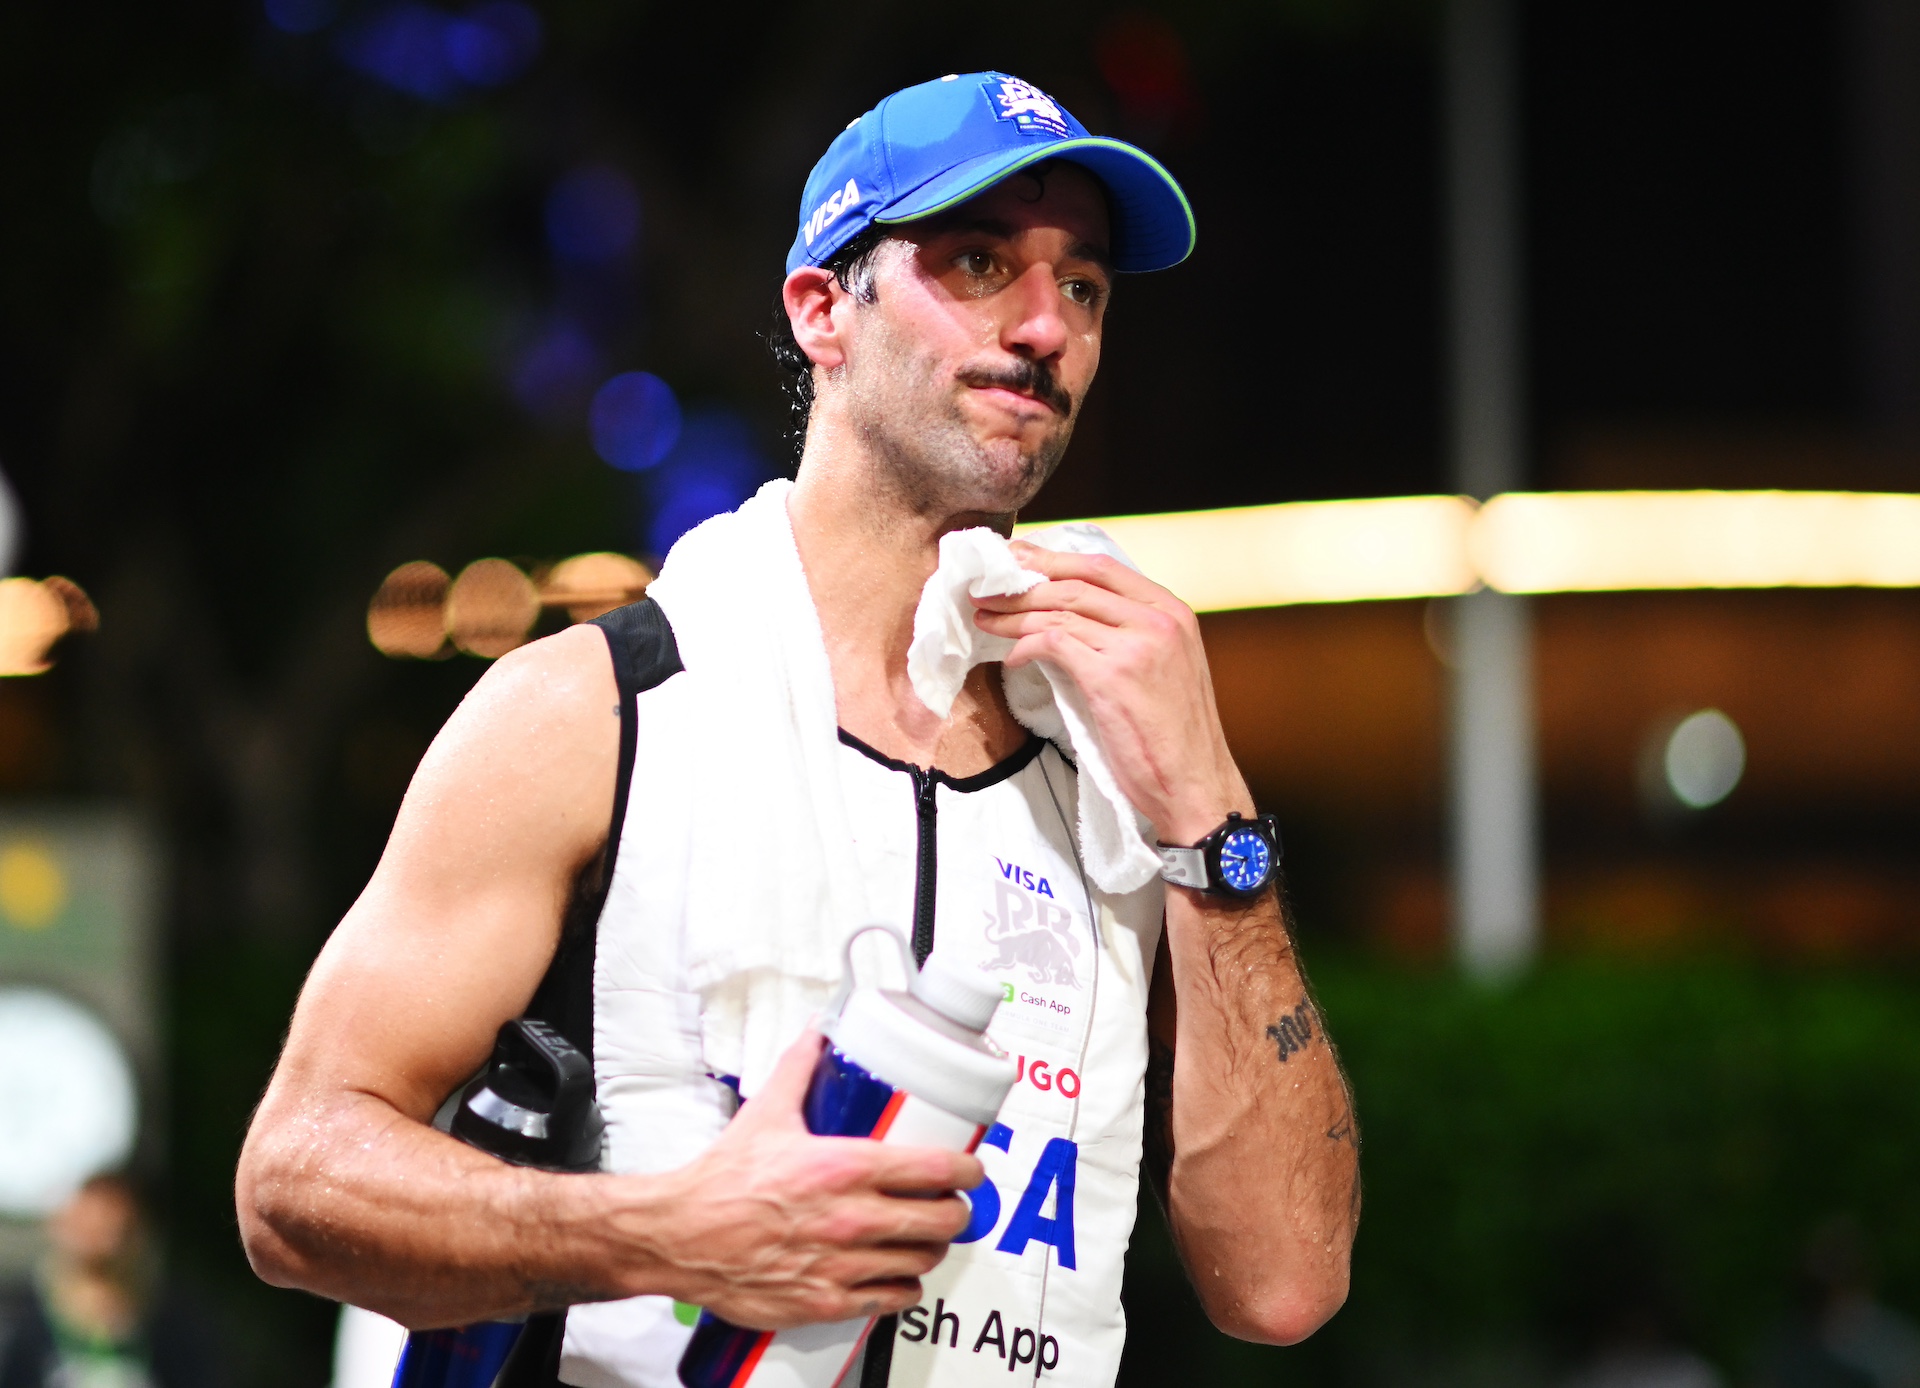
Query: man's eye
{"points": [[1082, 292], [975, 262]]}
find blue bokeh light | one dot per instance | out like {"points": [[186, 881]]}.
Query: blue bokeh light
{"points": [[300, 16], [404, 47], [593, 215], [428, 53], [716, 466], [552, 375], [495, 42], [635, 420]]}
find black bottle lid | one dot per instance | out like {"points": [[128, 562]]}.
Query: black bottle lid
{"points": [[534, 1104]]}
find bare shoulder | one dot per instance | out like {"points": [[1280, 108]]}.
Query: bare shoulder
{"points": [[460, 920], [533, 746]]}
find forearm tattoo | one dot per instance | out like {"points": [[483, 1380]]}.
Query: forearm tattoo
{"points": [[1293, 1032]]}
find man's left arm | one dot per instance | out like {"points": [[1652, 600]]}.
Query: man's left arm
{"points": [[1251, 1138]]}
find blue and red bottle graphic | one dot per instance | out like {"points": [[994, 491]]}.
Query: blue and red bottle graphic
{"points": [[467, 1356], [949, 1085]]}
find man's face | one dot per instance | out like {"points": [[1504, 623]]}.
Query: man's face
{"points": [[966, 372], [97, 1225]]}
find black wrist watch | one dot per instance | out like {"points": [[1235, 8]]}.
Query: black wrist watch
{"points": [[1238, 859]]}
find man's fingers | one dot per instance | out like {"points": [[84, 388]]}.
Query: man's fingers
{"points": [[829, 1298], [923, 1171], [778, 1100], [1060, 647], [892, 1220], [878, 1262], [1094, 634], [881, 1296], [1099, 569], [1068, 595]]}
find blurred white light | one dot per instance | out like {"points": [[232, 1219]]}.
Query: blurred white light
{"points": [[1303, 551], [67, 1106], [1557, 542], [1704, 759]]}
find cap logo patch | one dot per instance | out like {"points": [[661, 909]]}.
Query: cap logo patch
{"points": [[828, 212], [1029, 108]]}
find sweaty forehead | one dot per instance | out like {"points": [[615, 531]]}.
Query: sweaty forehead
{"points": [[1055, 196]]}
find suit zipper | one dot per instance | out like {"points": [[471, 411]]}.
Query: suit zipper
{"points": [[924, 786], [876, 1369]]}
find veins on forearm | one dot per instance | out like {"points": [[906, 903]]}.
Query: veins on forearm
{"points": [[1245, 938]]}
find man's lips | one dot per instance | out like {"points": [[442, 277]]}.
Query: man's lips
{"points": [[1017, 401]]}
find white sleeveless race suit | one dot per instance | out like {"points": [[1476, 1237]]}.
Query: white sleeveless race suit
{"points": [[987, 864]]}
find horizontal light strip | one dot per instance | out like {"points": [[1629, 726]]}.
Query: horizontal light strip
{"points": [[1303, 551], [1560, 542], [1525, 542]]}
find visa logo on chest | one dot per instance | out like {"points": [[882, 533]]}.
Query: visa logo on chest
{"points": [[1013, 872]]}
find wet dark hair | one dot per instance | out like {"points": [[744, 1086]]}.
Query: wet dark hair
{"points": [[852, 266]]}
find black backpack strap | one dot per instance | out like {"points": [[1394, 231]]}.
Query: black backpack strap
{"points": [[640, 640]]}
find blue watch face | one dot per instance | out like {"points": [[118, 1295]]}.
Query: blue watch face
{"points": [[1245, 860]]}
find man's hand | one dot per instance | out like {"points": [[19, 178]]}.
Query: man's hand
{"points": [[1135, 651], [774, 1227]]}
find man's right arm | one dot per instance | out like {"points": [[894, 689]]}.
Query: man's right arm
{"points": [[345, 1190]]}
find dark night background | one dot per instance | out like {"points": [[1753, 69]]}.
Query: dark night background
{"points": [[271, 323]]}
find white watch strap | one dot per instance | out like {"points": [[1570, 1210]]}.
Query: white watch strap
{"points": [[1184, 867]]}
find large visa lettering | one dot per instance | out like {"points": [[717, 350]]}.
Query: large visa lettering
{"points": [[1053, 1177]]}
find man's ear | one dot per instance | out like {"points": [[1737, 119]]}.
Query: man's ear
{"points": [[809, 295]]}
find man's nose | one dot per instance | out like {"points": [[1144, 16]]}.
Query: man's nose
{"points": [[1035, 326]]}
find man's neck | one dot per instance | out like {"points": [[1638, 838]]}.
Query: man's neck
{"points": [[867, 552]]}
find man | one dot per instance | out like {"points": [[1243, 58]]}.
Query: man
{"points": [[96, 1313], [946, 296]]}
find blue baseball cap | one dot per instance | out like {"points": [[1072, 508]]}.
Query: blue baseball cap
{"points": [[931, 147]]}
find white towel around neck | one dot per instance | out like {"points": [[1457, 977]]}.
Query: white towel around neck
{"points": [[769, 900]]}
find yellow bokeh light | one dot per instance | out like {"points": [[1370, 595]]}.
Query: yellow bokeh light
{"points": [[33, 889], [1302, 551], [491, 608], [32, 618], [1561, 542], [589, 585]]}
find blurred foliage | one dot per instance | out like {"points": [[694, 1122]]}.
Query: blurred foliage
{"points": [[1528, 1149]]}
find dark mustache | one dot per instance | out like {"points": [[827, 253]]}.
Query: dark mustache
{"points": [[1033, 378]]}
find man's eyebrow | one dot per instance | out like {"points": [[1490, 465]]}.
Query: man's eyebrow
{"points": [[1086, 250], [993, 226]]}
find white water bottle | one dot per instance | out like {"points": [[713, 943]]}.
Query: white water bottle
{"points": [[913, 1067]]}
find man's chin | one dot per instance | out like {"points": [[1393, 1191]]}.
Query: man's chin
{"points": [[1013, 470]]}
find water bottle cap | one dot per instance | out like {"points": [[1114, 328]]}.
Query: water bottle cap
{"points": [[963, 996]]}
